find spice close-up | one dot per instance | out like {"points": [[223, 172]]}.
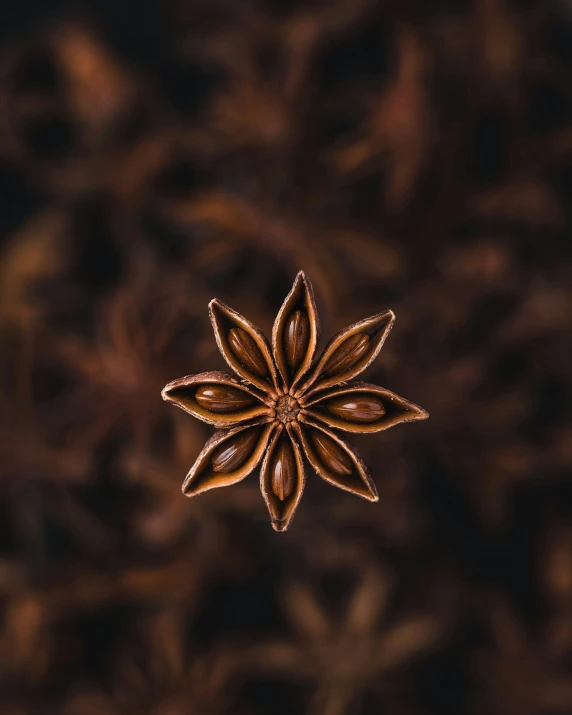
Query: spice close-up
{"points": [[396, 535], [284, 404]]}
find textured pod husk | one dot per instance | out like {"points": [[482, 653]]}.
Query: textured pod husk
{"points": [[181, 392], [359, 482], [301, 297], [203, 477], [397, 409], [282, 512], [376, 328], [223, 319]]}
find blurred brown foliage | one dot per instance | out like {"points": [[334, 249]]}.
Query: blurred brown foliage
{"points": [[409, 155]]}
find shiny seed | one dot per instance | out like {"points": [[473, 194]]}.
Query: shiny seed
{"points": [[233, 453], [331, 454], [283, 469], [361, 408], [296, 338], [347, 355], [223, 398], [247, 351]]}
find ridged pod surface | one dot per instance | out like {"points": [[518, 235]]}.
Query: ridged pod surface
{"points": [[283, 403]]}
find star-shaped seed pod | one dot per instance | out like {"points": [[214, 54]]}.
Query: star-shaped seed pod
{"points": [[285, 405]]}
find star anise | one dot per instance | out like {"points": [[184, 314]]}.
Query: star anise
{"points": [[287, 405]]}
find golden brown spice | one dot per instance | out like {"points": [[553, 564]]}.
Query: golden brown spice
{"points": [[283, 469], [347, 355], [223, 398], [247, 352], [233, 453], [362, 408], [291, 425], [296, 338], [331, 454]]}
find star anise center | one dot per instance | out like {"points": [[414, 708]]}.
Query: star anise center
{"points": [[287, 409]]}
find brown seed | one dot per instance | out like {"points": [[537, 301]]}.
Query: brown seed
{"points": [[360, 408], [348, 353], [283, 469], [223, 398], [331, 454], [296, 338], [247, 351], [233, 453]]}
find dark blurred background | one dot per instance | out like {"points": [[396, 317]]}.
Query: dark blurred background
{"points": [[407, 154]]}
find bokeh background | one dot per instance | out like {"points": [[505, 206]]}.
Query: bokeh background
{"points": [[407, 154]]}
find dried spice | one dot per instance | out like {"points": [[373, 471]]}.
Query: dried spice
{"points": [[412, 155], [285, 404]]}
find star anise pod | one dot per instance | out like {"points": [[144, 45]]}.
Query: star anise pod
{"points": [[286, 405]]}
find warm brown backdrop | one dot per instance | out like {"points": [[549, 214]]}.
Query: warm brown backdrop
{"points": [[407, 154]]}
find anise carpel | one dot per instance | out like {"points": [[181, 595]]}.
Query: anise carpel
{"points": [[285, 405]]}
